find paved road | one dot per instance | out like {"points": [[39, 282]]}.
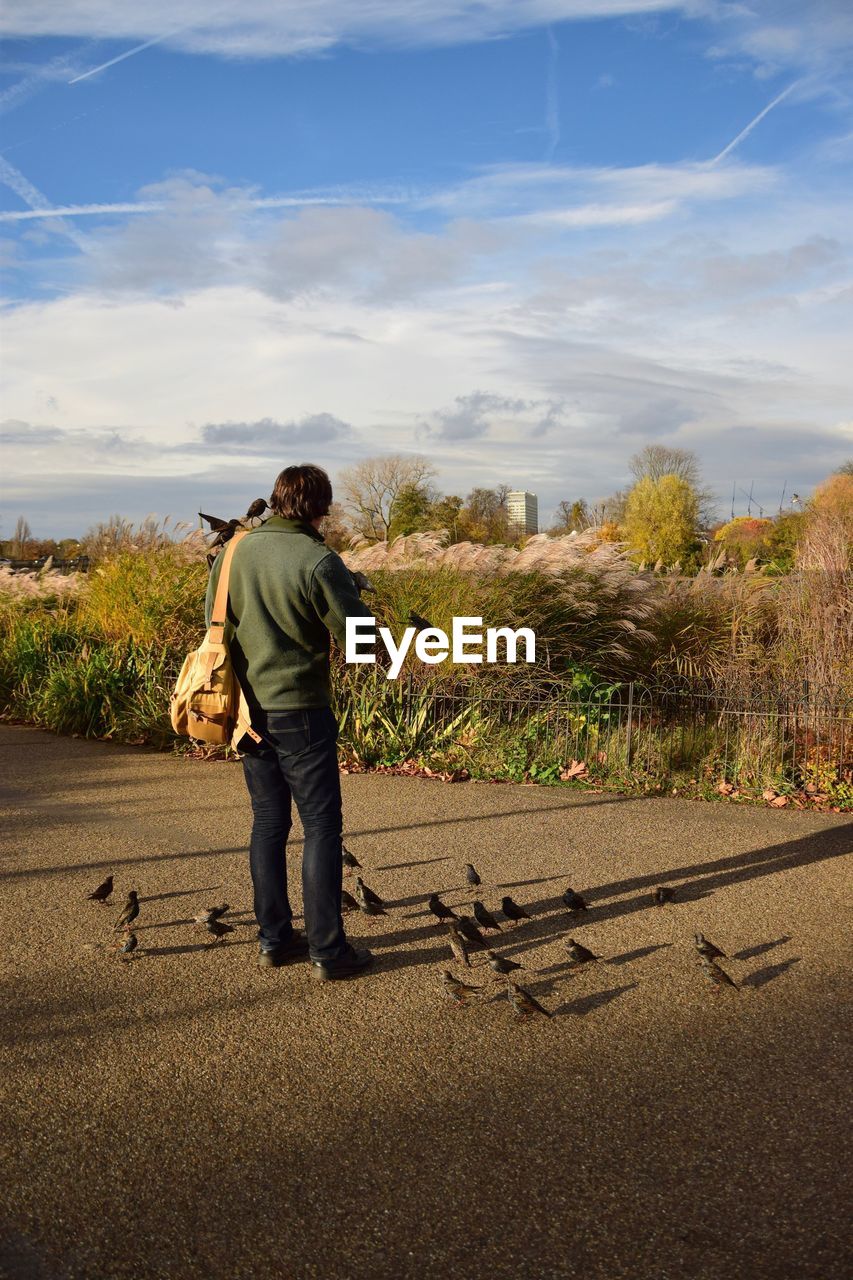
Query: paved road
{"points": [[187, 1115]]}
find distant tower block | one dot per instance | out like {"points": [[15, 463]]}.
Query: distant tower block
{"points": [[523, 509]]}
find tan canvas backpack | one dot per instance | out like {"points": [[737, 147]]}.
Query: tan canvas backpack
{"points": [[207, 701]]}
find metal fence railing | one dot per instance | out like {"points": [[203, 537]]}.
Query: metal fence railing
{"points": [[801, 735]]}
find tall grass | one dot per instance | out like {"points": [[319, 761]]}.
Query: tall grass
{"points": [[96, 654]]}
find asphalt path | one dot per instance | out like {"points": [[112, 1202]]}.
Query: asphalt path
{"points": [[185, 1114]]}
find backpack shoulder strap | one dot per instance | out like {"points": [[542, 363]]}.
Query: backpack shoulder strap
{"points": [[220, 602]]}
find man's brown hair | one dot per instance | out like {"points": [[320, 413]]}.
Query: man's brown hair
{"points": [[302, 493]]}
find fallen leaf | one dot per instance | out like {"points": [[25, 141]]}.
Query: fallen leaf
{"points": [[779, 802], [769, 795], [725, 788], [575, 769]]}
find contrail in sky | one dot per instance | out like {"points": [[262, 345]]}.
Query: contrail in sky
{"points": [[552, 100], [127, 54], [749, 128], [24, 189]]}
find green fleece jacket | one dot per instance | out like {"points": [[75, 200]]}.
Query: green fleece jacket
{"points": [[287, 592]]}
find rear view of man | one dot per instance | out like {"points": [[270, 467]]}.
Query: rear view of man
{"points": [[287, 592]]}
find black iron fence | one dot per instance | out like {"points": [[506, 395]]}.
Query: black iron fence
{"points": [[792, 737]]}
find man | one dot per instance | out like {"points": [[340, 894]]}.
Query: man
{"points": [[287, 592]]}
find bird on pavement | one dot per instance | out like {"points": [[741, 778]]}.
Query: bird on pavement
{"points": [[484, 918], [256, 509], [102, 892], [350, 861], [523, 1002], [459, 947], [662, 894], [348, 902], [502, 964], [129, 945], [574, 901], [211, 913], [218, 928], [716, 976], [130, 911], [439, 909], [421, 623], [369, 902], [578, 953], [471, 875], [458, 990], [707, 948], [513, 911], [465, 927]]}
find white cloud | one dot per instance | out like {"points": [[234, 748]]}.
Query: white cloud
{"points": [[267, 28]]}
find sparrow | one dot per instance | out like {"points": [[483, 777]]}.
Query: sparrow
{"points": [[501, 964], [707, 949], [513, 911], [523, 1002], [348, 902], [129, 912], [218, 928], [578, 953], [471, 876], [369, 902], [129, 946], [438, 908], [663, 893], [102, 892], [421, 623], [349, 859], [212, 913], [465, 928], [717, 976], [574, 901], [484, 918], [456, 989], [256, 509], [459, 947]]}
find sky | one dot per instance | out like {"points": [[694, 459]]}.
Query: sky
{"points": [[523, 238]]}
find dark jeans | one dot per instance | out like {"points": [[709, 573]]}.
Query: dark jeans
{"points": [[299, 758]]}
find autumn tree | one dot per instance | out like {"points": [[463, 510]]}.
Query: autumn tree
{"points": [[746, 538], [661, 519], [485, 515], [655, 461], [571, 517], [336, 529], [444, 514], [372, 491]]}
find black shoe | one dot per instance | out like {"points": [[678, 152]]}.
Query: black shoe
{"points": [[273, 957], [349, 965]]}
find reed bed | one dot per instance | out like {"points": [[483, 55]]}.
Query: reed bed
{"points": [[96, 654]]}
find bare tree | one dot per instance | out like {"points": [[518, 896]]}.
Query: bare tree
{"points": [[22, 535], [371, 490], [571, 516]]}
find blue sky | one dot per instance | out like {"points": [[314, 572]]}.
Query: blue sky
{"points": [[524, 239]]}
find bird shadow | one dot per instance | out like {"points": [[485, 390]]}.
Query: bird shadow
{"points": [[749, 953], [154, 953], [402, 866], [521, 884], [586, 1004], [177, 893], [637, 954], [165, 924], [762, 976]]}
